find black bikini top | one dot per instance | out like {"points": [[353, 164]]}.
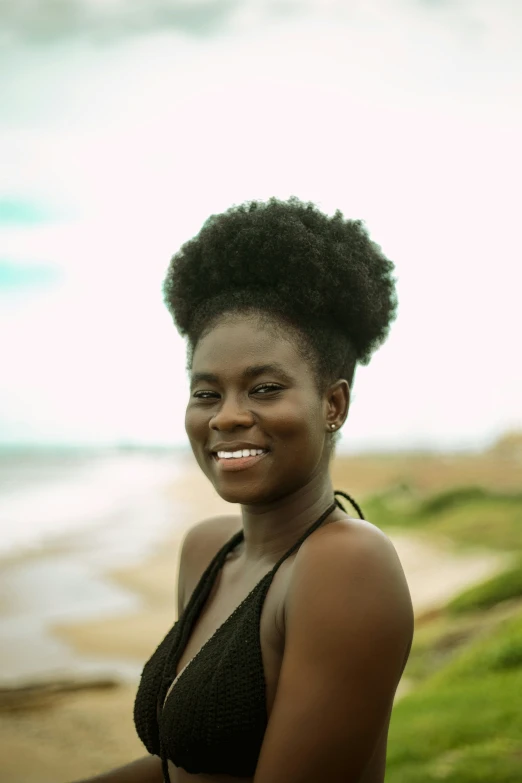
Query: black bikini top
{"points": [[215, 716]]}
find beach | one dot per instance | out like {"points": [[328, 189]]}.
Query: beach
{"points": [[82, 607]]}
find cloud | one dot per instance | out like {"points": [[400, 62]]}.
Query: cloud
{"points": [[47, 21], [105, 21], [399, 115]]}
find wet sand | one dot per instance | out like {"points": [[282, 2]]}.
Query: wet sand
{"points": [[99, 634]]}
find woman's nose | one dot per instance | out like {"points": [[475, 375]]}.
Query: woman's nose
{"points": [[231, 414]]}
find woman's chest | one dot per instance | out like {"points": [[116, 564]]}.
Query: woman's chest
{"points": [[221, 607]]}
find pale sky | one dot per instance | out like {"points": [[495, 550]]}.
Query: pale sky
{"points": [[119, 135]]}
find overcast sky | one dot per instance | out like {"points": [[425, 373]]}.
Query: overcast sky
{"points": [[124, 125]]}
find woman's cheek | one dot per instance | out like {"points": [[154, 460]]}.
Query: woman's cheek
{"points": [[192, 422]]}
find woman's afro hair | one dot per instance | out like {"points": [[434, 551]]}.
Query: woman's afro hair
{"points": [[289, 261]]}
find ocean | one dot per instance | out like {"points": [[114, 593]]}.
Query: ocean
{"points": [[46, 494], [67, 518]]}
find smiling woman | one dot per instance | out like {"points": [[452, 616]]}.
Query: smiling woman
{"points": [[295, 620]]}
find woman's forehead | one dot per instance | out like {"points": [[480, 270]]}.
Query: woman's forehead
{"points": [[239, 343]]}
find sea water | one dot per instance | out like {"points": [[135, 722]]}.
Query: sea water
{"points": [[48, 494], [66, 521]]}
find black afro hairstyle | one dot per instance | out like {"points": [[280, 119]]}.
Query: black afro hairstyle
{"points": [[321, 277]]}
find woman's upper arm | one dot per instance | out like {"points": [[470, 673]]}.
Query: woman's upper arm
{"points": [[349, 625]]}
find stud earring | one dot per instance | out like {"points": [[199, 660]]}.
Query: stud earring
{"points": [[332, 426]]}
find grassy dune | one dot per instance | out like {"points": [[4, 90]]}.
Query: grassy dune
{"points": [[462, 720]]}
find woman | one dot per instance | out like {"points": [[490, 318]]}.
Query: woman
{"points": [[295, 620]]}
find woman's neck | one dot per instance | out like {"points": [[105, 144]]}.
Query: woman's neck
{"points": [[271, 529]]}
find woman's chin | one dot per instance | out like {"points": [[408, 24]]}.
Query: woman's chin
{"points": [[239, 498], [244, 496]]}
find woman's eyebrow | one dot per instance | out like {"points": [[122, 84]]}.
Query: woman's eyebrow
{"points": [[253, 371]]}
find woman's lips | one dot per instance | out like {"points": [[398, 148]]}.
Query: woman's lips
{"points": [[237, 463]]}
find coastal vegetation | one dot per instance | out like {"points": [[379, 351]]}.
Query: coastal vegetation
{"points": [[460, 720]]}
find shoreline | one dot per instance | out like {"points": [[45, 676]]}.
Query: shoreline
{"points": [[95, 609], [122, 569]]}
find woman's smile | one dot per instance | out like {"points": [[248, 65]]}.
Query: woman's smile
{"points": [[235, 463]]}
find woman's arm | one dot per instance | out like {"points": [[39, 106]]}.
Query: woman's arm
{"points": [[348, 627], [144, 770]]}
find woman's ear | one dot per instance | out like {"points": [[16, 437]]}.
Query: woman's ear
{"points": [[338, 402]]}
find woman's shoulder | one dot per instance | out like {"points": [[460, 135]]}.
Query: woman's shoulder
{"points": [[359, 540], [200, 544], [358, 558], [209, 535], [357, 536]]}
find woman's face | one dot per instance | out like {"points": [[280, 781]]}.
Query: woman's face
{"points": [[250, 388]]}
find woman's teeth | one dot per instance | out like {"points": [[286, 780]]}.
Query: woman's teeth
{"points": [[240, 453]]}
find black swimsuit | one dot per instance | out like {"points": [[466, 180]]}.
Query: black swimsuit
{"points": [[215, 716]]}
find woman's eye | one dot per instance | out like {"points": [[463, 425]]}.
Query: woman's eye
{"points": [[271, 387], [264, 388]]}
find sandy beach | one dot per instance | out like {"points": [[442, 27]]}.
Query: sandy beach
{"points": [[78, 622]]}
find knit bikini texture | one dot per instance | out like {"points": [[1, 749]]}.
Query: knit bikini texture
{"points": [[215, 717]]}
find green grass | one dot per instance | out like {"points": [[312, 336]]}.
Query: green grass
{"points": [[469, 516], [437, 642], [499, 651], [494, 523], [464, 723], [453, 498], [502, 587]]}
